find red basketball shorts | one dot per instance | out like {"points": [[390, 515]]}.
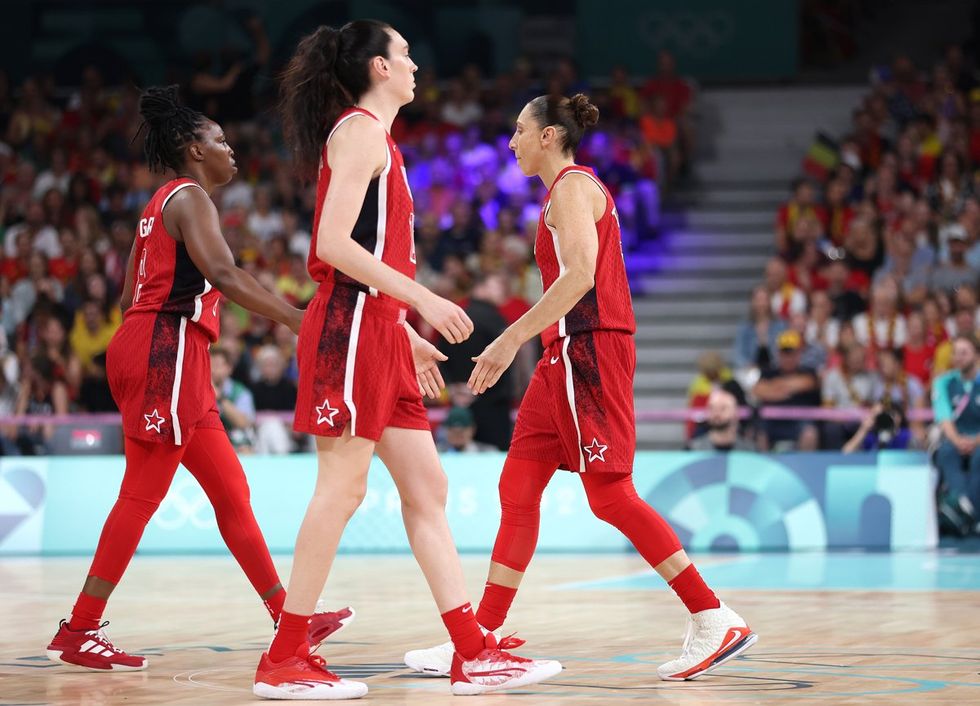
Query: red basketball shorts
{"points": [[355, 367], [159, 372], [578, 409]]}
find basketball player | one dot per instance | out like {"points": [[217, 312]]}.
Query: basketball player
{"points": [[577, 413], [159, 372], [358, 391]]}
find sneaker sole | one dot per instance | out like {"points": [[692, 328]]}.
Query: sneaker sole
{"points": [[55, 656], [730, 654], [545, 671], [333, 693]]}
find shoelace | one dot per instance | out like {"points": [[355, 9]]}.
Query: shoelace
{"points": [[688, 638], [104, 639], [321, 664]]}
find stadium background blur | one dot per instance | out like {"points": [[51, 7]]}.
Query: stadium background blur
{"points": [[862, 267]]}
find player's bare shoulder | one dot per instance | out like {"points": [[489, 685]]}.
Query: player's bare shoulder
{"points": [[577, 190], [357, 139]]}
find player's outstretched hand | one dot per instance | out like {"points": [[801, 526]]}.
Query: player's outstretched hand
{"points": [[446, 318], [427, 358], [491, 364]]}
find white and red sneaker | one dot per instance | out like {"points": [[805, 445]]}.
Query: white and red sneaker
{"points": [[438, 661], [91, 649], [713, 637], [303, 676], [327, 623], [494, 669]]}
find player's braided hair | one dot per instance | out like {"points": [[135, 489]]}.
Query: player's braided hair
{"points": [[572, 116], [169, 126], [327, 74]]}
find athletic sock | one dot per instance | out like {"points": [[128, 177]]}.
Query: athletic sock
{"points": [[464, 630], [693, 591], [494, 605], [87, 613], [292, 633], [274, 604]]}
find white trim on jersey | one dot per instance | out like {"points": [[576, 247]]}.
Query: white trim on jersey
{"points": [[197, 302], [177, 188], [379, 243], [583, 172], [355, 332], [344, 120], [570, 393], [178, 374]]}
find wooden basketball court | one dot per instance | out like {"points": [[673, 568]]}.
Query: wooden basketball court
{"points": [[605, 617]]}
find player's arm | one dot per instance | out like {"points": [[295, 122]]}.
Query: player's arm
{"points": [[126, 299], [574, 203], [358, 152], [192, 215]]}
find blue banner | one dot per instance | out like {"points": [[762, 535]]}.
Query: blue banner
{"points": [[738, 501]]}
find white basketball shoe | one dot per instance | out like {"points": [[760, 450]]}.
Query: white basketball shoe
{"points": [[713, 637]]}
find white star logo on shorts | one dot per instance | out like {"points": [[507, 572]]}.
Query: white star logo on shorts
{"points": [[153, 421], [595, 450], [325, 413]]}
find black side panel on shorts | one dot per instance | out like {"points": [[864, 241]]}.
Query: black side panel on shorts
{"points": [[365, 231]]}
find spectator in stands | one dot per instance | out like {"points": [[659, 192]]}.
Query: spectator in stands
{"points": [[491, 410], [40, 393], [802, 203], [822, 329], [951, 273], [918, 354], [883, 325], [273, 391], [957, 413], [788, 384], [755, 341], [863, 247], [842, 290], [459, 430], [235, 403], [43, 236], [912, 277], [964, 322], [660, 133], [91, 333], [264, 221], [849, 386], [898, 391], [712, 375], [839, 211], [723, 426], [883, 427], [784, 297]]}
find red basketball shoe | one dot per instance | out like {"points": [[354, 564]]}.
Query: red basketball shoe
{"points": [[495, 670], [303, 676], [327, 624], [91, 649]]}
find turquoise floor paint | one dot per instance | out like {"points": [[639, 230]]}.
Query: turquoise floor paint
{"points": [[912, 571]]}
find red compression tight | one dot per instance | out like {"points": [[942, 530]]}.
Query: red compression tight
{"points": [[612, 498], [150, 469]]}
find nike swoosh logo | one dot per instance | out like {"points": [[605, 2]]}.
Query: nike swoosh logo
{"points": [[554, 360], [467, 609]]}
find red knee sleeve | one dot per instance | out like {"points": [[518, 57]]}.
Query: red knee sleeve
{"points": [[613, 499], [521, 485]]}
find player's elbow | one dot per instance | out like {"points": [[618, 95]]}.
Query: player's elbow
{"points": [[583, 278], [222, 277]]}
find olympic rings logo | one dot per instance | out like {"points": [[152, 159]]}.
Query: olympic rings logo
{"points": [[185, 502], [692, 33]]}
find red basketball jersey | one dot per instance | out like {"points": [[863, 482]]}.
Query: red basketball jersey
{"points": [[385, 226], [166, 279], [608, 305]]}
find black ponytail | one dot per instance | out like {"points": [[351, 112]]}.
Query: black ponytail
{"points": [[169, 125], [327, 74], [571, 115]]}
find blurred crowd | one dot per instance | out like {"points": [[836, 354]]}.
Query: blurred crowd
{"points": [[73, 182], [870, 303]]}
